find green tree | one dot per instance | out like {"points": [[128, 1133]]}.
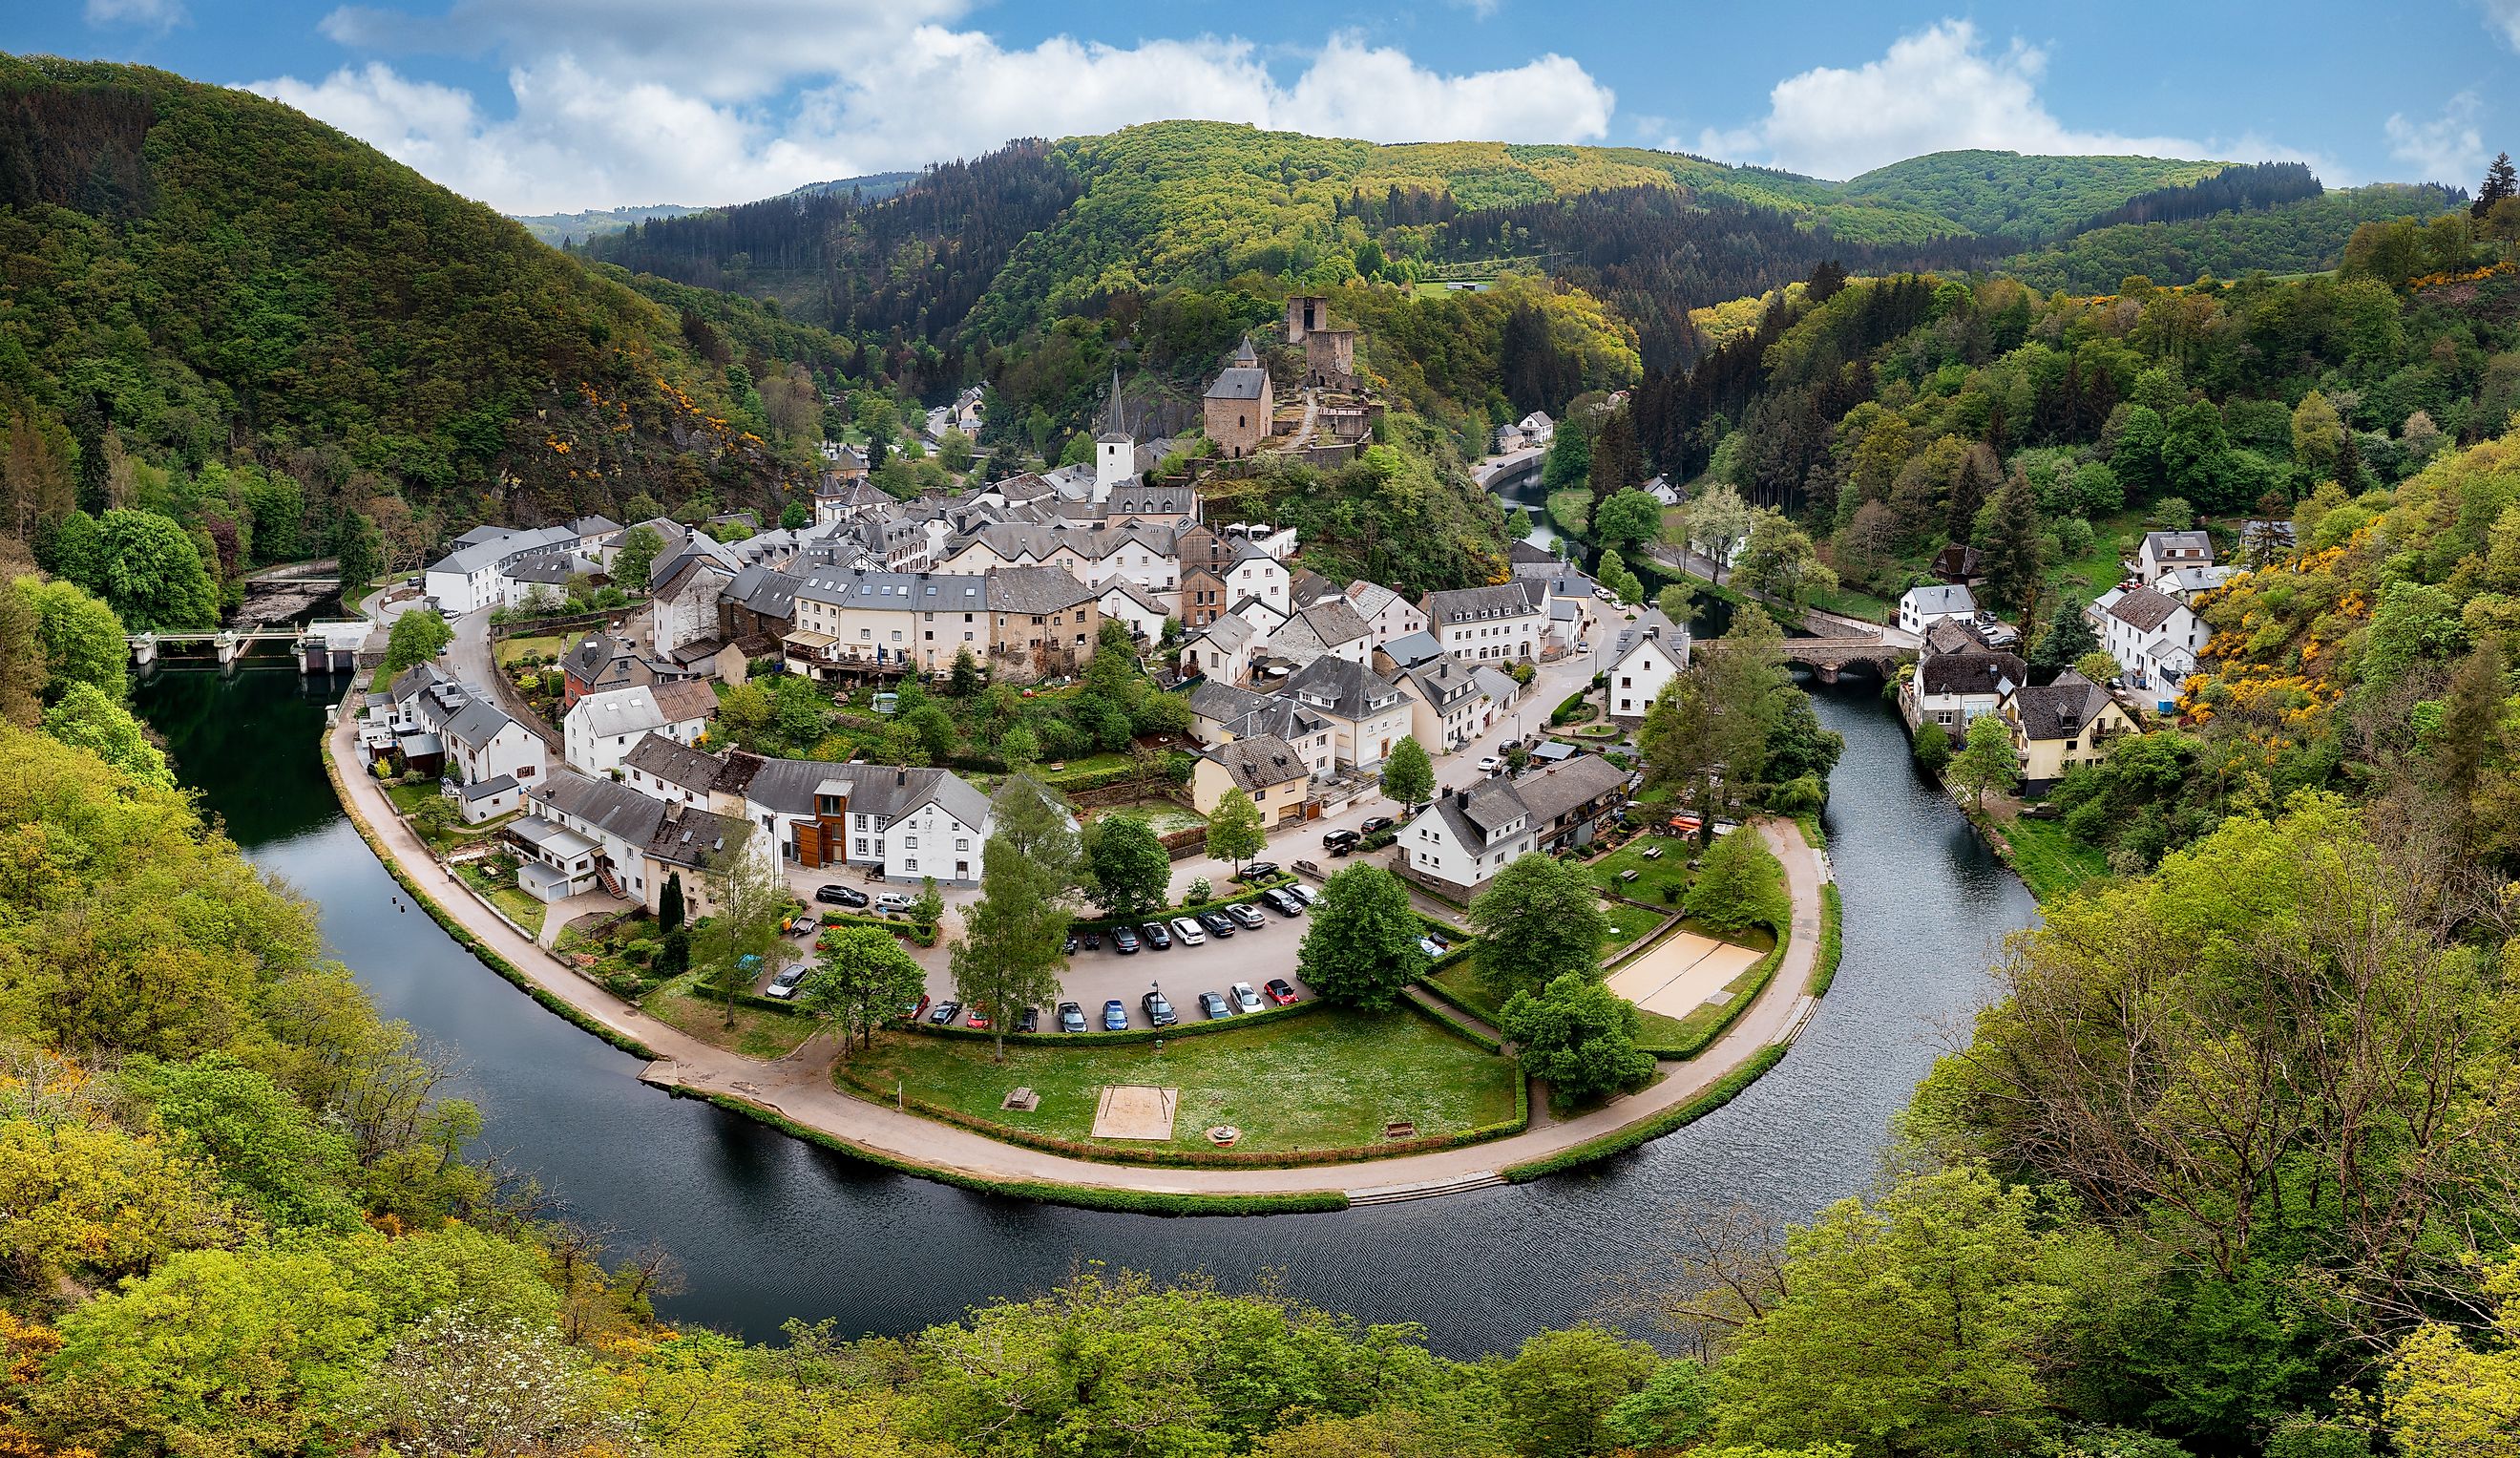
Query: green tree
{"points": [[1740, 883], [965, 680], [1579, 1038], [1011, 951], [2317, 437], [1625, 518], [928, 909], [152, 573], [1706, 735], [1678, 602], [749, 901], [1719, 522], [1912, 1324], [1986, 762], [1362, 948], [1560, 1388], [417, 637], [1618, 464], [1020, 749], [1537, 920], [22, 671], [1780, 563], [2015, 553], [433, 818], [1569, 459], [360, 550], [270, 1151], [1933, 749], [2096, 665], [864, 976], [1612, 572], [1130, 870], [669, 903], [639, 548], [82, 640], [1408, 775], [85, 717], [795, 516], [1235, 831], [2068, 638]]}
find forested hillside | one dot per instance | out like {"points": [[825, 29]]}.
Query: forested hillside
{"points": [[2305, 236], [202, 291], [2004, 193]]}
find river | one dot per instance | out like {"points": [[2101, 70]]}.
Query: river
{"points": [[767, 1227]]}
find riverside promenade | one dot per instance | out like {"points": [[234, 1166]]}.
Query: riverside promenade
{"points": [[799, 1089]]}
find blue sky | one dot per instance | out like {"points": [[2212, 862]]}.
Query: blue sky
{"points": [[552, 105]]}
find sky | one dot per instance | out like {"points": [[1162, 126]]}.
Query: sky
{"points": [[544, 106]]}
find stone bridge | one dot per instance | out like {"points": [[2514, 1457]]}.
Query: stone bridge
{"points": [[1831, 657]]}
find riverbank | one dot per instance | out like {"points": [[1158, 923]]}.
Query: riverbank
{"points": [[796, 1093]]}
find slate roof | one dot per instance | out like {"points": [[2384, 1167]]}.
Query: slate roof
{"points": [[1975, 670], [1472, 604], [553, 569], [1349, 690], [1561, 788], [2143, 609], [675, 762], [1228, 632], [1938, 598], [1036, 589], [764, 590], [789, 787], [686, 836], [1334, 622], [1223, 701], [1527, 553], [614, 808], [479, 552], [1651, 626], [1952, 635], [1441, 682], [1259, 761], [1412, 648], [485, 788], [2182, 543], [899, 592], [476, 724], [2061, 709], [1238, 383], [1474, 815]]}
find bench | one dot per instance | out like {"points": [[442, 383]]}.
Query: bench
{"points": [[1627, 876], [1400, 1128], [1654, 854], [1022, 1100]]}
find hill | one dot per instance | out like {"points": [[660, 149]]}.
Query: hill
{"points": [[560, 229], [2300, 236], [196, 282], [2005, 194]]}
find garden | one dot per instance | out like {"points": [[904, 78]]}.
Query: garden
{"points": [[1333, 1081], [494, 876]]}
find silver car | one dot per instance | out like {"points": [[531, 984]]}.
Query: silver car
{"points": [[1188, 931], [1244, 999]]}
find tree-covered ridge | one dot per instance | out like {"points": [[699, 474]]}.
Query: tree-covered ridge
{"points": [[192, 275], [2301, 236], [2008, 194]]}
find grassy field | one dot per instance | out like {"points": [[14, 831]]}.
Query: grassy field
{"points": [[2049, 860], [754, 1033], [1628, 923], [1652, 875], [1571, 508], [2085, 577], [1330, 1081], [408, 798], [513, 649]]}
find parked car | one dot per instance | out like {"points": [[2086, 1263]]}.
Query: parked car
{"points": [[1281, 992], [1304, 893], [784, 986], [1247, 915], [1092, 941], [1245, 1000], [1257, 871], [1344, 849], [1430, 946], [946, 1012], [1374, 823], [1157, 938], [979, 1017], [894, 901], [1282, 901], [1123, 940], [1186, 932], [1158, 1009], [1211, 1006], [1489, 765], [1337, 838], [1030, 1022], [1115, 1016], [1217, 923], [1071, 1018], [916, 1010], [839, 895]]}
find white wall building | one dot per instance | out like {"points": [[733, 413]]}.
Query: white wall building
{"points": [[599, 732], [1921, 608], [1477, 624], [1650, 652]]}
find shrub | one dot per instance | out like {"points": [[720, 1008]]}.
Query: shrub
{"points": [[1933, 749]]}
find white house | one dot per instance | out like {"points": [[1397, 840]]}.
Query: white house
{"points": [[483, 744], [601, 729], [1650, 652], [1145, 613], [1386, 614], [1477, 623], [2154, 637], [2163, 551], [1537, 427], [907, 824], [1222, 650], [1921, 608], [1367, 712], [1448, 707], [484, 800], [1954, 688], [467, 579], [1467, 836]]}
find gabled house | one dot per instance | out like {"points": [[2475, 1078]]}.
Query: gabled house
{"points": [[684, 595], [1125, 602], [1648, 653], [1953, 689], [1468, 835], [1264, 766], [1330, 628], [1570, 802], [1445, 704], [2154, 637], [1477, 623], [1367, 712], [904, 823], [483, 744], [597, 735], [1921, 608], [1222, 651], [2061, 725], [1959, 564], [2163, 551], [1386, 614], [600, 662]]}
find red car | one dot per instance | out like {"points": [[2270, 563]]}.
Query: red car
{"points": [[916, 1010], [1279, 990], [979, 1017]]}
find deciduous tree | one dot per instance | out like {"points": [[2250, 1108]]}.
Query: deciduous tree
{"points": [[1362, 948], [1130, 870], [1740, 883], [1408, 775], [1986, 762], [1579, 1038], [415, 638], [1234, 830], [1537, 919], [863, 977], [1780, 563]]}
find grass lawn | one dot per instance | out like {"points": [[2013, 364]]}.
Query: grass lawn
{"points": [[1652, 875], [1849, 602], [408, 798], [548, 644], [522, 909], [2049, 860], [1329, 1080], [1628, 923], [2087, 576], [1571, 508], [756, 1033]]}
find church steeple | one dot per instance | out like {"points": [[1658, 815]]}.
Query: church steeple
{"points": [[1115, 450], [1115, 427]]}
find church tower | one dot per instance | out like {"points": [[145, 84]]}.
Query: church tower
{"points": [[1115, 450]]}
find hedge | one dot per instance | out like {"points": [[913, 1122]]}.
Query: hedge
{"points": [[907, 931], [1450, 999], [1249, 893], [1113, 1039], [1763, 972], [1715, 1095], [1082, 1197], [1832, 913], [446, 921], [1458, 1027], [1565, 712], [1193, 1159]]}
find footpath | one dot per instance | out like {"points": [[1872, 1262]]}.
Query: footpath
{"points": [[796, 1092]]}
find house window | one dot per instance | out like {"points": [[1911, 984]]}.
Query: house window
{"points": [[961, 843], [910, 843]]}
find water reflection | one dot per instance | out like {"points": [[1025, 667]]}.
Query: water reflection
{"points": [[768, 1227]]}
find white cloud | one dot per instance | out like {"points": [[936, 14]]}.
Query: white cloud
{"points": [[2502, 18], [1936, 90], [158, 15], [2450, 148], [609, 127]]}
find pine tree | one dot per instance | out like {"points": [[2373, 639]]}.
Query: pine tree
{"points": [[669, 903], [2500, 182], [2014, 553]]}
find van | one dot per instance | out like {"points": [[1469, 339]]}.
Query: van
{"points": [[1187, 931]]}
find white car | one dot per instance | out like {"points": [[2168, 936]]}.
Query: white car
{"points": [[783, 987], [1245, 1000], [1489, 765], [1303, 893], [1188, 931], [895, 901]]}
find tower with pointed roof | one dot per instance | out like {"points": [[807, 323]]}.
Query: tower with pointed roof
{"points": [[1115, 450], [1240, 405]]}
